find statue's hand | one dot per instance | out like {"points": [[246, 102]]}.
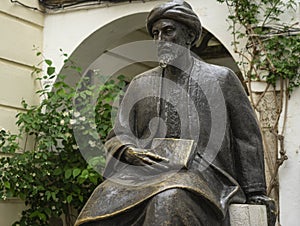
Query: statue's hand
{"points": [[268, 202], [143, 157]]}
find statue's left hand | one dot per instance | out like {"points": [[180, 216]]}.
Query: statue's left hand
{"points": [[268, 202], [143, 157]]}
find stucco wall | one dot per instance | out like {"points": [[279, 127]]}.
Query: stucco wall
{"points": [[21, 30], [289, 173]]}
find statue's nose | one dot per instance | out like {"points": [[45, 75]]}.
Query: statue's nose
{"points": [[159, 36], [158, 39]]}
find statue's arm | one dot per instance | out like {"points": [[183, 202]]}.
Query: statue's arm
{"points": [[248, 146], [122, 142], [247, 140], [121, 136]]}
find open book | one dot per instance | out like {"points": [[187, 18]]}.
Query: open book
{"points": [[180, 152]]}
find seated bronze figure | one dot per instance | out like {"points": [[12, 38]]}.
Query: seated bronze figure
{"points": [[183, 99]]}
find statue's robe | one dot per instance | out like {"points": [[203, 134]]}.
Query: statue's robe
{"points": [[227, 166]]}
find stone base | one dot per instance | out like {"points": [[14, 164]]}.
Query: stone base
{"points": [[248, 215]]}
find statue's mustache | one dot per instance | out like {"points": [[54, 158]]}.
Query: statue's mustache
{"points": [[165, 45], [166, 53], [165, 59]]}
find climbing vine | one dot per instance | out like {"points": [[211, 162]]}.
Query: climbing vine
{"points": [[266, 36]]}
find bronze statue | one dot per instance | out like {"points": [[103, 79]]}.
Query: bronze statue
{"points": [[143, 187]]}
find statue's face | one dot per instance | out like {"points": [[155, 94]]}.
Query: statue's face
{"points": [[166, 32]]}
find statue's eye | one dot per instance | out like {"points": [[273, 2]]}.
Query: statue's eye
{"points": [[169, 31]]}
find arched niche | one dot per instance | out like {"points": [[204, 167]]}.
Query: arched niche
{"points": [[131, 28], [97, 43], [85, 34]]}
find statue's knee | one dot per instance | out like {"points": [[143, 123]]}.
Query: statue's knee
{"points": [[170, 195]]}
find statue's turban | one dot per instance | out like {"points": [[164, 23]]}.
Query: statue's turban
{"points": [[179, 11]]}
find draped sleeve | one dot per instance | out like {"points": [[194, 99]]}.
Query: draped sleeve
{"points": [[247, 140]]}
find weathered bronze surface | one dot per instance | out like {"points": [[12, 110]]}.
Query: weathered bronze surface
{"points": [[178, 152], [142, 187]]}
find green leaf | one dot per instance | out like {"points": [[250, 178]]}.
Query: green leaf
{"points": [[47, 211], [7, 184], [85, 174], [68, 173], [80, 180], [94, 180], [69, 199], [42, 216], [34, 214], [48, 195], [49, 62], [53, 195], [50, 70], [57, 171], [76, 172]]}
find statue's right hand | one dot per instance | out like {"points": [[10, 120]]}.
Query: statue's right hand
{"points": [[143, 157], [130, 155]]}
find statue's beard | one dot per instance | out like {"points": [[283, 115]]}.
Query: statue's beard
{"points": [[165, 59]]}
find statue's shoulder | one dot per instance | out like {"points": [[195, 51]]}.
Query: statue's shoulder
{"points": [[212, 71], [155, 72], [148, 80], [224, 76]]}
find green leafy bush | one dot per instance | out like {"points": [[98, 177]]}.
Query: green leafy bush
{"points": [[53, 178]]}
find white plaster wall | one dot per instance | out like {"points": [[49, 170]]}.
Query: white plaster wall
{"points": [[289, 173], [10, 211], [21, 29]]}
